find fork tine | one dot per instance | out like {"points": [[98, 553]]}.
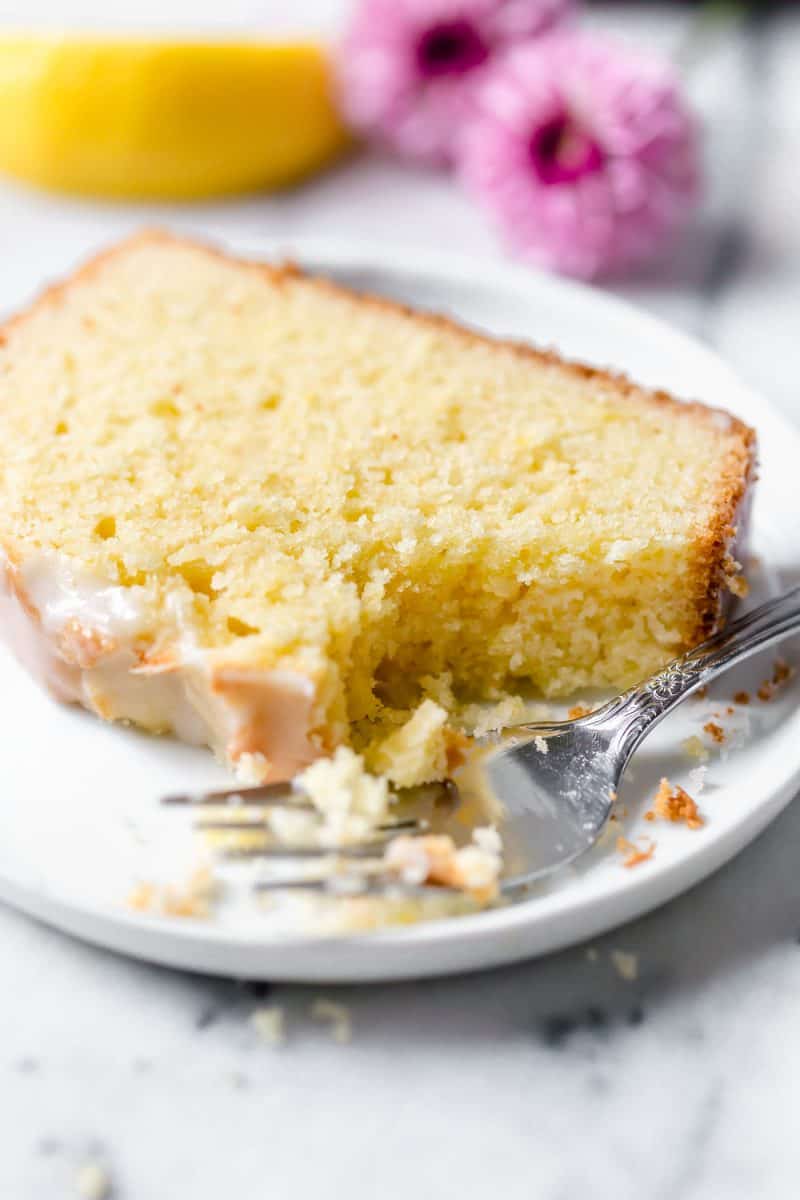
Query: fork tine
{"points": [[273, 794], [358, 850], [340, 888], [257, 824], [268, 795]]}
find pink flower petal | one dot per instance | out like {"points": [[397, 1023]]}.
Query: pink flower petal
{"points": [[586, 154], [409, 70]]}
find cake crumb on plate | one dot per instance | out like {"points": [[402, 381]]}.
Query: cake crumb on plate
{"points": [[435, 859], [193, 897], [672, 803], [634, 855], [693, 748]]}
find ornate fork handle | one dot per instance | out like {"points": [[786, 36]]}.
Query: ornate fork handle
{"points": [[638, 710]]}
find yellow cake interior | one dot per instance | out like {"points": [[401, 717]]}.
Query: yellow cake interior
{"points": [[385, 504]]}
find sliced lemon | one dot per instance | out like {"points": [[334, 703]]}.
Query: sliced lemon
{"points": [[166, 120]]}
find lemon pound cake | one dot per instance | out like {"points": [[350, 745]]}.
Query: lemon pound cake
{"points": [[276, 517]]}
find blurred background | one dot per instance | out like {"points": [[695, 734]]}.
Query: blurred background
{"points": [[731, 274]]}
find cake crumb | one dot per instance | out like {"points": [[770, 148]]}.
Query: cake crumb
{"points": [[194, 897], [634, 855], [701, 693], [481, 720], [337, 1016], [268, 1022], [252, 769], [672, 803], [741, 698], [693, 748], [782, 672], [715, 732], [435, 859], [424, 749], [734, 579], [540, 744], [577, 711], [625, 964], [350, 800], [93, 1182]]}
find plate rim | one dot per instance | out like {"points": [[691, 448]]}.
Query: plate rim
{"points": [[190, 945]]}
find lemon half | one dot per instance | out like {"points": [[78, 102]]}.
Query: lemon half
{"points": [[143, 119]]}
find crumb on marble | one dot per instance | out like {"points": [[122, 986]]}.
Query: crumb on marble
{"points": [[93, 1182], [268, 1022], [715, 732], [337, 1016], [741, 698], [625, 964], [701, 693]]}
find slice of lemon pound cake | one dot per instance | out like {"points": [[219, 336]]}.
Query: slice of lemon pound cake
{"points": [[272, 515]]}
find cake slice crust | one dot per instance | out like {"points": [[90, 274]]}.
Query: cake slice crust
{"points": [[272, 515]]}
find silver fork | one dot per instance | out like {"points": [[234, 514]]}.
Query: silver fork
{"points": [[418, 810], [558, 781]]}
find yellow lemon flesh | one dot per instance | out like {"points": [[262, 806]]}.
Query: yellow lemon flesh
{"points": [[137, 119]]}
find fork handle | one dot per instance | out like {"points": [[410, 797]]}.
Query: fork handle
{"points": [[649, 702]]}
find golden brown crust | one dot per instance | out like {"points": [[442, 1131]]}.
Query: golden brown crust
{"points": [[716, 541]]}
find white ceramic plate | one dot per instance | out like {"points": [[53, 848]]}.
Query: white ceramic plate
{"points": [[78, 814]]}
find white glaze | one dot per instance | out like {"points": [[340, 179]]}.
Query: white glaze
{"points": [[80, 637]]}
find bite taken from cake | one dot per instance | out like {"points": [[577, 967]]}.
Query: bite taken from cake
{"points": [[273, 516]]}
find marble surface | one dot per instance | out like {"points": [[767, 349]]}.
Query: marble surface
{"points": [[555, 1079]]}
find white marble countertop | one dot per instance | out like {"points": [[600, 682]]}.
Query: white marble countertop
{"points": [[551, 1080]]}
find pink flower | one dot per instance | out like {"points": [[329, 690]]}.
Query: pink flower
{"points": [[586, 154], [408, 69]]}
